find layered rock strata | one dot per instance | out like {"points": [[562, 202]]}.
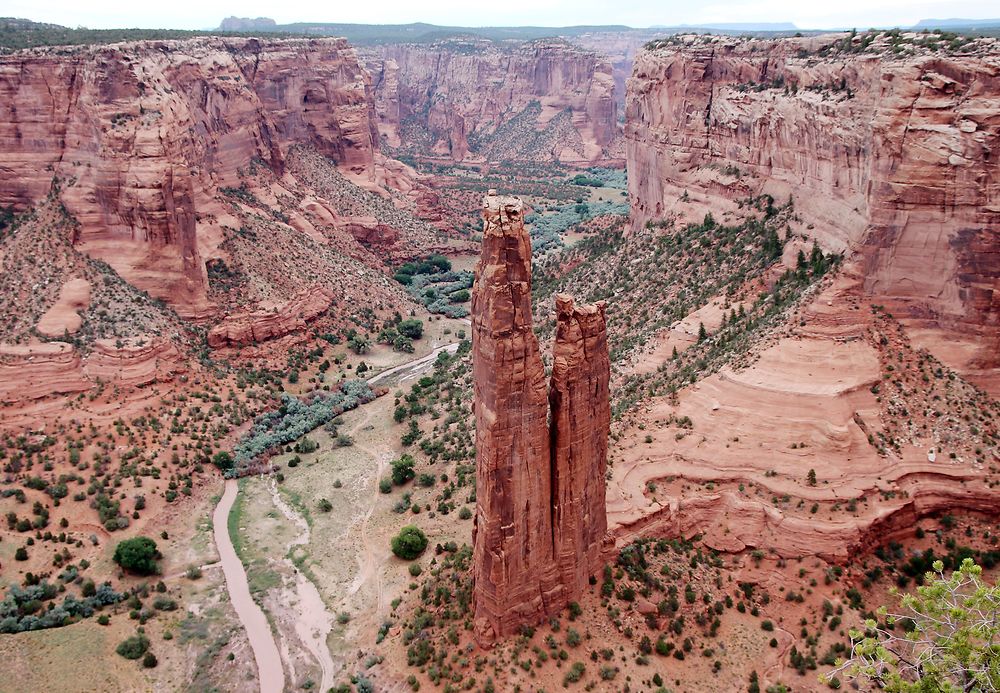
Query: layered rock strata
{"points": [[261, 325], [136, 139], [540, 520], [889, 158], [473, 99]]}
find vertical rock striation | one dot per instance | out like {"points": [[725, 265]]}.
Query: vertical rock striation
{"points": [[540, 520], [890, 157], [515, 574], [581, 415], [474, 99], [137, 138]]}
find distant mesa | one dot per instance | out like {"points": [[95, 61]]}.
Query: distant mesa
{"points": [[957, 23], [248, 24]]}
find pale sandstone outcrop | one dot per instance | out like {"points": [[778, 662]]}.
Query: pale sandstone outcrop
{"points": [[64, 317], [540, 522]]}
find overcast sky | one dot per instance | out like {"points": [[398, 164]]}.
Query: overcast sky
{"points": [[198, 14]]}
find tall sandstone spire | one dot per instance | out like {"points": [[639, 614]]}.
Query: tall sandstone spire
{"points": [[540, 515]]}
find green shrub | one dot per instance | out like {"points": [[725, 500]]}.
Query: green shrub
{"points": [[402, 470], [164, 604], [137, 555], [223, 460], [412, 328], [133, 647], [403, 344], [409, 543], [575, 673], [149, 660]]}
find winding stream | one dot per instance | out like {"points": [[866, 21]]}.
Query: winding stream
{"points": [[314, 622], [265, 650]]}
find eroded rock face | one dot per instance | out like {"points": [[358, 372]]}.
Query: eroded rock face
{"points": [[580, 402], [467, 93], [540, 522], [32, 372], [136, 139], [890, 159], [261, 325]]}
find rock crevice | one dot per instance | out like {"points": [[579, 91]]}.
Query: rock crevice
{"points": [[540, 518]]}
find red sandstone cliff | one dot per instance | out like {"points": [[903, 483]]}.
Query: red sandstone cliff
{"points": [[890, 158], [137, 137], [540, 519], [472, 98]]}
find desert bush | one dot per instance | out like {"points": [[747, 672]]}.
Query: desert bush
{"points": [[296, 417], [402, 470], [133, 647], [409, 543], [412, 328], [137, 555]]}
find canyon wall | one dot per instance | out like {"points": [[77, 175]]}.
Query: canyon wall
{"points": [[136, 138], [892, 159], [540, 520], [476, 99]]}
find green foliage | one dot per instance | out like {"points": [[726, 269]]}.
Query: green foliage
{"points": [[16, 34], [294, 418], [133, 647], [21, 610], [403, 344], [409, 543], [575, 673], [359, 344], [137, 555], [402, 470], [306, 446], [952, 645], [412, 328], [546, 228], [433, 283], [223, 460]]}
